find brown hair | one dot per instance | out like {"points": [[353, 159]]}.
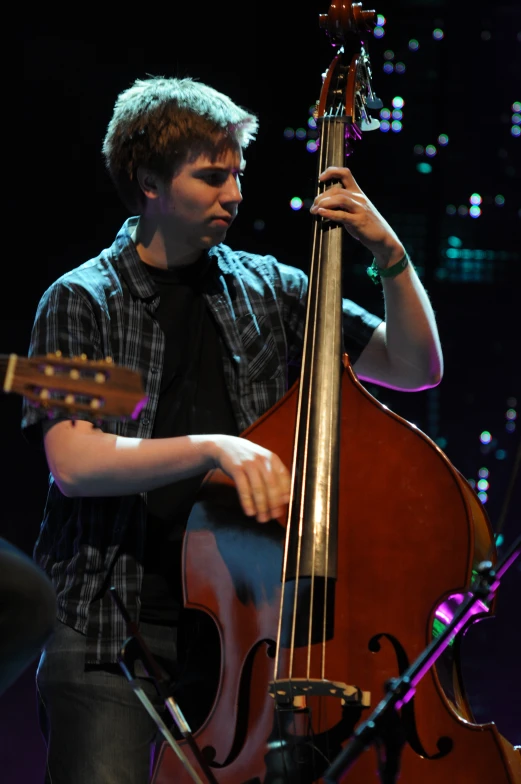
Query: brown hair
{"points": [[161, 123]]}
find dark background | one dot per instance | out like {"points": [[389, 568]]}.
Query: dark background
{"points": [[269, 57]]}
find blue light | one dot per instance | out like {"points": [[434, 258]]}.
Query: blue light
{"points": [[397, 114], [398, 102], [388, 68], [385, 114], [312, 123], [475, 198], [437, 34], [301, 133], [431, 150], [443, 139], [414, 45], [400, 68], [475, 211], [384, 126], [424, 168], [311, 146], [483, 472], [483, 497], [378, 32], [485, 437], [295, 203], [515, 130], [396, 126], [388, 54]]}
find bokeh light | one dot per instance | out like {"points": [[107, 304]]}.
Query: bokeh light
{"points": [[475, 198], [431, 150], [414, 45], [289, 133], [296, 203], [483, 473], [475, 211], [388, 68], [400, 68], [485, 437], [437, 34], [443, 139], [378, 31], [398, 102], [499, 200]]}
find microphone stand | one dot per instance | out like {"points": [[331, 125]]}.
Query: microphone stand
{"points": [[135, 649], [383, 727]]}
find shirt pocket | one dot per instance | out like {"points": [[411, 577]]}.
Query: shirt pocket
{"points": [[260, 348]]}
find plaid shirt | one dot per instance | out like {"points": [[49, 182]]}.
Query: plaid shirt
{"points": [[106, 307]]}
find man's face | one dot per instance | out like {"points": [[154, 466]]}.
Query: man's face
{"points": [[197, 207]]}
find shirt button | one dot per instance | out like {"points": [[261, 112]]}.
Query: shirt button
{"points": [[145, 421], [154, 370]]}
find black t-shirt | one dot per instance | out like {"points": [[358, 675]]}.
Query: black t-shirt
{"points": [[193, 399]]}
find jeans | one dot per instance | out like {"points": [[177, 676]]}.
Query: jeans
{"points": [[96, 729]]}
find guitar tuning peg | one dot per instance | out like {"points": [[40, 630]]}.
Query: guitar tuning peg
{"points": [[44, 394], [83, 357], [49, 370], [109, 360], [100, 378], [74, 374], [95, 403], [70, 400]]}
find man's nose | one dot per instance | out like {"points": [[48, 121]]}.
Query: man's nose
{"points": [[232, 190]]}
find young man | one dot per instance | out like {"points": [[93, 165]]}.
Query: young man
{"points": [[213, 331]]}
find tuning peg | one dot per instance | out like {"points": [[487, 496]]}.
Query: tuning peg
{"points": [[100, 378], [74, 374], [83, 357], [48, 370], [109, 360], [44, 394], [95, 403], [70, 400]]}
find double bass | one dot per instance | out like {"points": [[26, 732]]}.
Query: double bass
{"points": [[315, 612]]}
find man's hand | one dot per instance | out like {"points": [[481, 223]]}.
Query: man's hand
{"points": [[262, 480], [347, 204]]}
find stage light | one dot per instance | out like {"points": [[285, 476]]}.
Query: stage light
{"points": [[437, 34], [455, 242], [398, 102], [378, 32], [389, 54], [475, 198], [483, 484], [515, 130], [396, 126], [312, 123], [419, 149], [511, 414], [385, 114], [443, 139], [450, 209], [397, 114], [388, 68], [499, 200], [311, 145], [475, 211], [485, 437], [380, 20], [301, 133], [289, 133], [483, 473], [414, 45], [384, 126], [296, 203], [424, 168], [400, 68]]}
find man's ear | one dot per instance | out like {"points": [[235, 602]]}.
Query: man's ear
{"points": [[148, 182]]}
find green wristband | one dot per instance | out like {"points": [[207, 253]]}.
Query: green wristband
{"points": [[375, 273]]}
